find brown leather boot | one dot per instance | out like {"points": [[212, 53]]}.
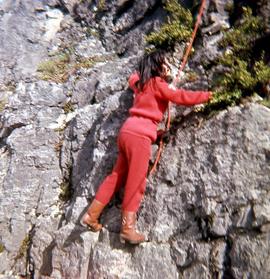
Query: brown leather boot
{"points": [[90, 218], [128, 232]]}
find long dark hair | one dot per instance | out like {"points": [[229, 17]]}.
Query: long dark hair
{"points": [[150, 66]]}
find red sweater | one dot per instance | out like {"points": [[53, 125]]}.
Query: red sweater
{"points": [[151, 103]]}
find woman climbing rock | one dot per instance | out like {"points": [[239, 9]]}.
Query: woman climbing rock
{"points": [[139, 131]]}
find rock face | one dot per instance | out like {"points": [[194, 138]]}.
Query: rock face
{"points": [[206, 211]]}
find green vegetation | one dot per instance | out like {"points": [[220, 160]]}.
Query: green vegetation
{"points": [[92, 32], [88, 62], [66, 191], [66, 186], [2, 105], [229, 7], [245, 33], [23, 248], [177, 29], [68, 107], [57, 69], [266, 102], [64, 64], [245, 70], [101, 5], [2, 248], [87, 1], [243, 75]]}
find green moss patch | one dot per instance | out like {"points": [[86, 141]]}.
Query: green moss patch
{"points": [[66, 191], [68, 107], [57, 69], [178, 27], [2, 248], [244, 73], [62, 65], [2, 105], [23, 248]]}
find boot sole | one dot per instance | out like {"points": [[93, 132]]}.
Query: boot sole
{"points": [[123, 241], [88, 226]]}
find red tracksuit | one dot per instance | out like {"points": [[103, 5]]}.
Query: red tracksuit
{"points": [[136, 136]]}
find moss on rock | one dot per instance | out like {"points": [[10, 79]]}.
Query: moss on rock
{"points": [[243, 75], [2, 248], [177, 29]]}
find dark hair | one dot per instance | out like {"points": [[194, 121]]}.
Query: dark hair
{"points": [[150, 66]]}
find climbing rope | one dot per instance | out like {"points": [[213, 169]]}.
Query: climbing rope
{"points": [[182, 66]]}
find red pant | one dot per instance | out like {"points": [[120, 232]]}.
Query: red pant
{"points": [[129, 171]]}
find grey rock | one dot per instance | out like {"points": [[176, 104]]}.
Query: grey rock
{"points": [[197, 271], [24, 35], [35, 163], [154, 261], [103, 257], [124, 24], [215, 20], [244, 254], [69, 5], [262, 213], [84, 92], [205, 212], [90, 47], [218, 254]]}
